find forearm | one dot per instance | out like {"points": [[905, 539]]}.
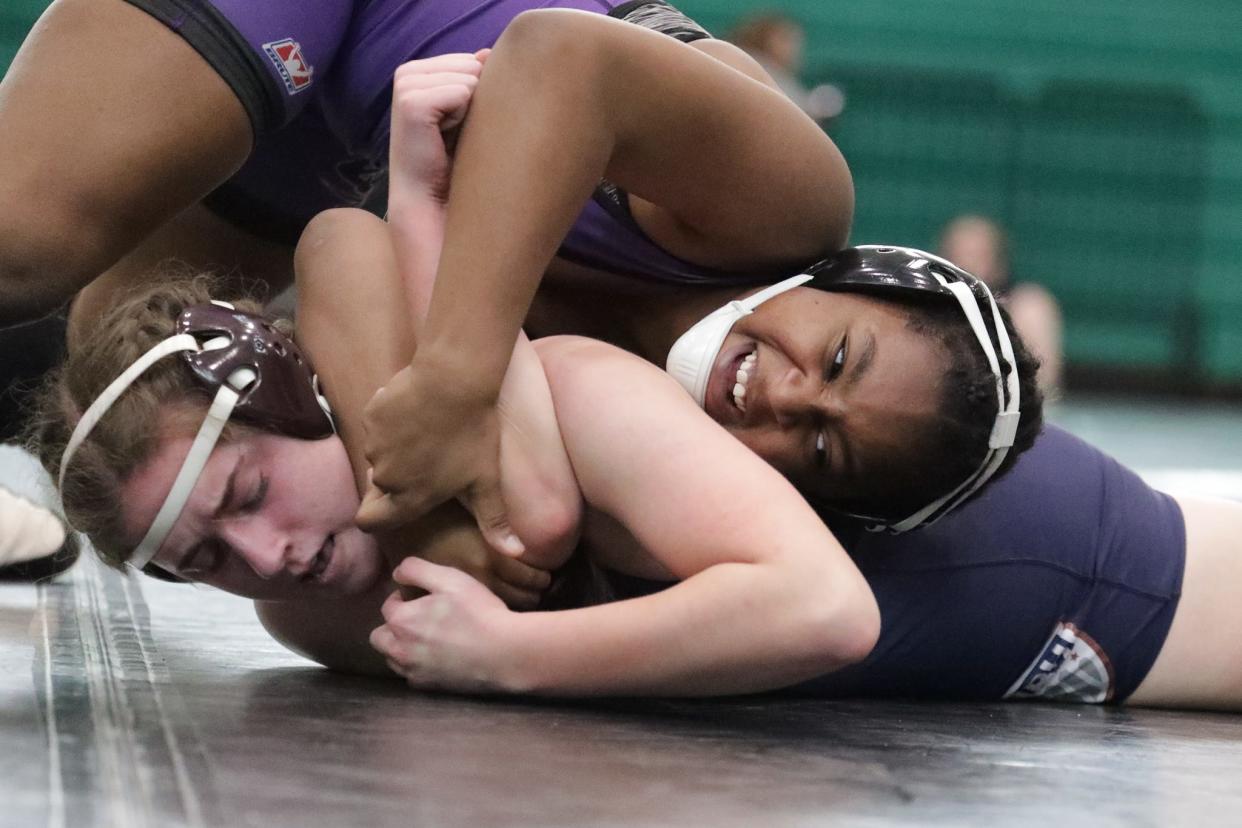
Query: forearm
{"points": [[536, 477], [725, 171], [526, 162], [733, 628], [358, 338], [416, 222]]}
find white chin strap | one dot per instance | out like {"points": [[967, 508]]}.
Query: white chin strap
{"points": [[200, 450], [693, 355], [1008, 414]]}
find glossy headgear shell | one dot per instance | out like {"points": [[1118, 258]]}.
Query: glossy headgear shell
{"points": [[883, 270], [284, 396]]}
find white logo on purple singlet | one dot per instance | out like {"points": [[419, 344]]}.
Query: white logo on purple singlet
{"points": [[286, 56], [1072, 667]]}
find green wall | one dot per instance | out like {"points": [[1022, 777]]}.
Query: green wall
{"points": [[1107, 134]]}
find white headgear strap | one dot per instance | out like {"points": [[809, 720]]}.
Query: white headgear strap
{"points": [[1005, 427], [200, 450], [692, 356]]}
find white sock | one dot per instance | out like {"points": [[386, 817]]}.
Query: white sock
{"points": [[27, 531]]}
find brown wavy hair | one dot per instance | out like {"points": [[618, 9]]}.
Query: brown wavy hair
{"points": [[164, 402]]}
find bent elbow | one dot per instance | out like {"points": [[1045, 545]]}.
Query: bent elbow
{"points": [[845, 626], [550, 528], [857, 627]]}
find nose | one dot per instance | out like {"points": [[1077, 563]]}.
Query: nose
{"points": [[264, 549], [796, 399]]}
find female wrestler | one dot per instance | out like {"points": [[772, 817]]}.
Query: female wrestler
{"points": [[1062, 591], [657, 116], [1059, 582], [269, 516], [1032, 591]]}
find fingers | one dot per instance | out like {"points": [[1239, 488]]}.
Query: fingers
{"points": [[377, 511], [416, 572], [519, 585], [518, 599], [465, 62], [522, 575], [488, 506]]}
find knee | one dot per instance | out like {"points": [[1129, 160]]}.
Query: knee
{"points": [[553, 38]]}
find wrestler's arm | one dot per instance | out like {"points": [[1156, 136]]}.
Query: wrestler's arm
{"points": [[110, 124], [364, 287], [727, 171], [357, 325], [723, 170], [768, 596]]}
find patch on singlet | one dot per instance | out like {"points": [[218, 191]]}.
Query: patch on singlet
{"points": [[286, 55], [1072, 667], [660, 16]]}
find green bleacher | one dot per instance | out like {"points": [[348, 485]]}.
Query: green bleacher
{"points": [[1106, 135]]}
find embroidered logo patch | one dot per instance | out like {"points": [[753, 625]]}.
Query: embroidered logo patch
{"points": [[286, 56], [1072, 667]]}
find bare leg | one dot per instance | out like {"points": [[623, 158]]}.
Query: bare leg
{"points": [[1200, 664], [110, 125]]}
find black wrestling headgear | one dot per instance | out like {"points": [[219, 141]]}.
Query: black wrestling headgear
{"points": [[883, 271]]}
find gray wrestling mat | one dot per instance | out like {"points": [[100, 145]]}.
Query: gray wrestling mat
{"points": [[130, 702], [152, 705]]}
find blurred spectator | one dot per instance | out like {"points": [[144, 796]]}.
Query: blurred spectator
{"points": [[979, 245], [776, 42]]}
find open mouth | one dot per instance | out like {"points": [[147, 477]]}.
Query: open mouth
{"points": [[745, 369], [730, 382], [323, 559]]}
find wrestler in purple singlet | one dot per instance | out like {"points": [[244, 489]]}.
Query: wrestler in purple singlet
{"points": [[994, 601], [315, 77]]}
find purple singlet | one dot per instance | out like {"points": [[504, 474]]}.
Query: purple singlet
{"points": [[315, 78]]}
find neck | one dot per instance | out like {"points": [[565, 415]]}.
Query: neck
{"points": [[653, 324]]}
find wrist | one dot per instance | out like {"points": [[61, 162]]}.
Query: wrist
{"points": [[420, 205], [452, 367], [515, 674]]}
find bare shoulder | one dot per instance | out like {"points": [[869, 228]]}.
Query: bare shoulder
{"points": [[648, 457], [574, 361]]}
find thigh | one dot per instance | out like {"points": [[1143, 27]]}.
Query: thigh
{"points": [[110, 125], [1200, 664], [197, 239]]}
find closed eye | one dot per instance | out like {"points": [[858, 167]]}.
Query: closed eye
{"points": [[253, 502]]}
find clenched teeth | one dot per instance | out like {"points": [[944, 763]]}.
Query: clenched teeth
{"points": [[743, 375]]}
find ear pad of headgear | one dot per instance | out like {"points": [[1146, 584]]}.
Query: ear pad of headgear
{"points": [[284, 394]]}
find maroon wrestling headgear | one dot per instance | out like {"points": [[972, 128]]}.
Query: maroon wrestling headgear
{"points": [[249, 368], [284, 394]]}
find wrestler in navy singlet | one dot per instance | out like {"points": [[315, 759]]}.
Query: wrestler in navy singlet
{"points": [[1059, 582], [315, 78]]}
